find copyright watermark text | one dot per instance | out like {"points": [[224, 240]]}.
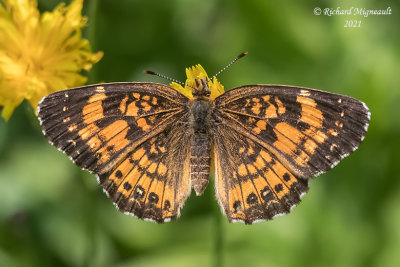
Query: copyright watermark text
{"points": [[358, 13], [355, 11]]}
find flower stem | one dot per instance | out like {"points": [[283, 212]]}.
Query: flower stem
{"points": [[218, 241], [90, 212]]}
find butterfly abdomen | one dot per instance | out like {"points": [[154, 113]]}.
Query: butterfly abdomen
{"points": [[200, 147]]}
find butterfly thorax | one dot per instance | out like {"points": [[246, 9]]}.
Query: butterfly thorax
{"points": [[200, 146]]}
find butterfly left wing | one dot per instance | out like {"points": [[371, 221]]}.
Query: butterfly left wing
{"points": [[97, 125], [152, 182], [132, 135], [269, 138]]}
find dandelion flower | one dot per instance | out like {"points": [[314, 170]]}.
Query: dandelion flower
{"points": [[40, 53], [198, 72]]}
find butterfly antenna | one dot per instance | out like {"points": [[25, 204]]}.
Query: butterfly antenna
{"points": [[163, 76], [230, 64]]}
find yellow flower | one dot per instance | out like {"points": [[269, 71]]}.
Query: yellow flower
{"points": [[197, 72], [40, 53]]}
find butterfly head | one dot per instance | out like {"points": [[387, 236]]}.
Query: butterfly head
{"points": [[197, 83], [201, 89]]}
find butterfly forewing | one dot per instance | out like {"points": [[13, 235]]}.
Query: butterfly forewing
{"points": [[309, 130], [97, 125]]}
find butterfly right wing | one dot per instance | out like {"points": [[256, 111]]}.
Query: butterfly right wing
{"points": [[251, 183], [309, 130], [270, 139]]}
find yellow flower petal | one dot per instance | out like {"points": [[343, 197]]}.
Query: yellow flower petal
{"points": [[198, 72], [40, 53], [8, 109]]}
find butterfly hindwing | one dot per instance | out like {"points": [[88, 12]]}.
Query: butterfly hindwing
{"points": [[310, 131], [251, 183], [97, 125], [152, 181]]}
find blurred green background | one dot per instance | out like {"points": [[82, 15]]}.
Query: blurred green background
{"points": [[54, 214]]}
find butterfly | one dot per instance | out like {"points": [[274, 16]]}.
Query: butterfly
{"points": [[150, 144]]}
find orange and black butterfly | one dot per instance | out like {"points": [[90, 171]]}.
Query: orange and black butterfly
{"points": [[149, 143]]}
